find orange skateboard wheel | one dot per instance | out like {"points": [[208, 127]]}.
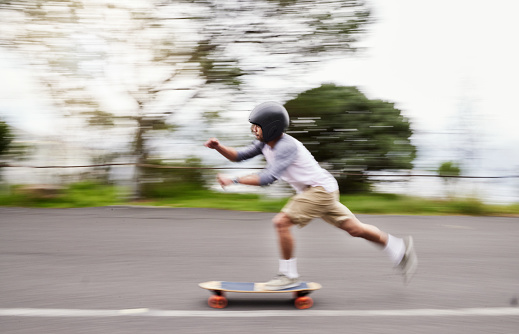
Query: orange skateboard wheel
{"points": [[217, 301], [303, 303]]}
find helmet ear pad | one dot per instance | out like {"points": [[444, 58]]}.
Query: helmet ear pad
{"points": [[275, 129]]}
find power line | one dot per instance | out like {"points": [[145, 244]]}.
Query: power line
{"points": [[242, 168]]}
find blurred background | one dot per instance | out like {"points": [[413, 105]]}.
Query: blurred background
{"points": [[391, 96]]}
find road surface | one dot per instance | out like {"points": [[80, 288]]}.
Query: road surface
{"points": [[136, 270]]}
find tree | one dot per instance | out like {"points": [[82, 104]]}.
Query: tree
{"points": [[5, 137], [350, 133], [157, 57], [449, 170], [92, 54]]}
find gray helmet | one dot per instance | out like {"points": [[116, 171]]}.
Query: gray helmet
{"points": [[273, 119]]}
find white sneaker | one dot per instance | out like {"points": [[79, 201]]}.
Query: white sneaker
{"points": [[281, 282], [409, 262]]}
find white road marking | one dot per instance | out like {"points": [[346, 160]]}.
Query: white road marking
{"points": [[144, 312], [459, 227], [134, 311]]}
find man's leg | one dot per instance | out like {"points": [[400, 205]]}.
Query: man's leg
{"points": [[288, 275], [369, 232], [400, 251], [283, 225], [393, 247]]}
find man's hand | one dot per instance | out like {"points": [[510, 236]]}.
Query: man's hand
{"points": [[228, 152], [212, 143], [224, 180]]}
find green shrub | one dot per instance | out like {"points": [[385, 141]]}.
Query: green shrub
{"points": [[172, 180]]}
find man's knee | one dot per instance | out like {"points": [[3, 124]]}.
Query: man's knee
{"points": [[282, 221]]}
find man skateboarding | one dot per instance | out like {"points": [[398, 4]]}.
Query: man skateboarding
{"points": [[317, 193]]}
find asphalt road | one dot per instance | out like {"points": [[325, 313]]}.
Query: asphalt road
{"points": [[136, 270]]}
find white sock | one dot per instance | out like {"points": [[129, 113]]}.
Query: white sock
{"points": [[395, 249], [288, 267]]}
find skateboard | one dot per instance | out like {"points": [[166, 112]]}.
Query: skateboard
{"points": [[219, 288]]}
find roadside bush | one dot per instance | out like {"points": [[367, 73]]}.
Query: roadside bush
{"points": [[170, 180]]}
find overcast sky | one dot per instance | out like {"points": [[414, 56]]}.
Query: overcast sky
{"points": [[437, 58]]}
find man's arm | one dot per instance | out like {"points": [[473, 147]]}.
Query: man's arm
{"points": [[233, 155], [228, 152], [251, 180]]}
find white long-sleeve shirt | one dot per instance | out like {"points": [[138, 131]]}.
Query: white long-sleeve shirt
{"points": [[291, 162]]}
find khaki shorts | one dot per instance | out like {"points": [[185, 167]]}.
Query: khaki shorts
{"points": [[316, 202]]}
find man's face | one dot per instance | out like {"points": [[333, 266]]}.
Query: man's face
{"points": [[256, 130]]}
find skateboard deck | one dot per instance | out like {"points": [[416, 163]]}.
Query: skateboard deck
{"points": [[219, 288]]}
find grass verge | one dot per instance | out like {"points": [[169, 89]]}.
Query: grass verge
{"points": [[77, 195], [89, 194]]}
